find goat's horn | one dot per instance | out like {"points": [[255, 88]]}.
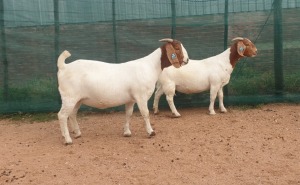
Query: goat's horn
{"points": [[237, 38], [166, 40]]}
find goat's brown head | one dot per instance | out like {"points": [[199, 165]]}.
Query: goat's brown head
{"points": [[173, 53], [242, 47]]}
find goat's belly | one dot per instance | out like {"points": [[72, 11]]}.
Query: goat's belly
{"points": [[99, 104], [191, 89], [103, 103]]}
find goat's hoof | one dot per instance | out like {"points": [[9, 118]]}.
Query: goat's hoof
{"points": [[68, 143], [152, 134], [223, 110], [127, 134], [212, 113], [77, 136], [176, 115], [155, 111], [76, 133]]}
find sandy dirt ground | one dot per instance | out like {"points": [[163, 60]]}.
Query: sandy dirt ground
{"points": [[248, 146]]}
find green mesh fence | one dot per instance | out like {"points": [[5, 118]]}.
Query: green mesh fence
{"points": [[35, 32]]}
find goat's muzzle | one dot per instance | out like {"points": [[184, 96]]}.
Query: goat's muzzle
{"points": [[254, 53]]}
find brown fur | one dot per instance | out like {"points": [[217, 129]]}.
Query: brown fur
{"points": [[248, 50], [166, 52]]}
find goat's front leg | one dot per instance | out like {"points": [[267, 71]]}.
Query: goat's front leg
{"points": [[221, 103], [129, 110], [159, 91], [170, 99], [170, 92], [142, 104], [213, 95]]}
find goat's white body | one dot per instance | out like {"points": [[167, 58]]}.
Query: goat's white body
{"points": [[200, 75], [103, 85]]}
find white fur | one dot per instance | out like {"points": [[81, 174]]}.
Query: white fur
{"points": [[103, 85], [200, 75]]}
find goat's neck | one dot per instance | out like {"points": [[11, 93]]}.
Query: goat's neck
{"points": [[234, 57], [154, 60], [223, 59]]}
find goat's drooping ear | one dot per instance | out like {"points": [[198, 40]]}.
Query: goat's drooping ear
{"points": [[240, 46], [172, 56]]}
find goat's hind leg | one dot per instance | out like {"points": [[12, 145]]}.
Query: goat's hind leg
{"points": [[221, 103], [63, 116], [73, 121], [142, 104]]}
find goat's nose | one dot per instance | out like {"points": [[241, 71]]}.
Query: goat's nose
{"points": [[254, 53]]}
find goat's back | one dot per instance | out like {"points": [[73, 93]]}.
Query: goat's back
{"points": [[102, 85], [198, 75]]}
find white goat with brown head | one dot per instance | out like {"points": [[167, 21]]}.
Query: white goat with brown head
{"points": [[200, 75], [103, 85]]}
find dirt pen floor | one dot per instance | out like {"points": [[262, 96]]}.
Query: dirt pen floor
{"points": [[246, 146]]}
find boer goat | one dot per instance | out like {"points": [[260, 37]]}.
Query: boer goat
{"points": [[104, 85], [200, 75]]}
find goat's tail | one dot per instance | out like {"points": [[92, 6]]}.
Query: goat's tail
{"points": [[61, 59]]}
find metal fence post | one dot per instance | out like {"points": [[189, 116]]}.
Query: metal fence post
{"points": [[3, 52], [173, 30], [115, 31], [278, 51], [56, 36], [226, 36], [56, 28]]}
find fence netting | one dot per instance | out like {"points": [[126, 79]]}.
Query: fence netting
{"points": [[35, 32]]}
